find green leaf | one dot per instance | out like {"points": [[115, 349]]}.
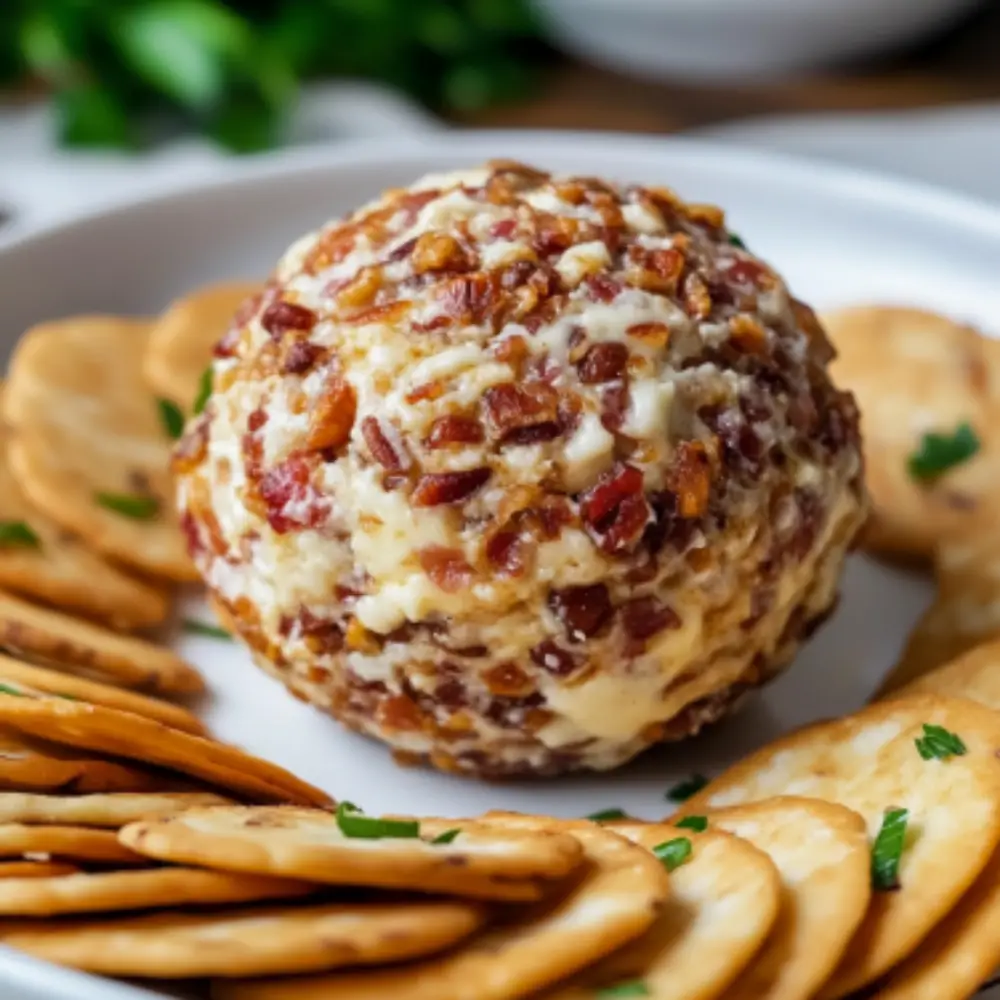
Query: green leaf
{"points": [[606, 815], [134, 505], [940, 452], [91, 116], [47, 50], [683, 790], [246, 126], [629, 988], [673, 853], [204, 390], [195, 627], [938, 743], [447, 837], [18, 534], [171, 417], [354, 823], [697, 823], [888, 849]]}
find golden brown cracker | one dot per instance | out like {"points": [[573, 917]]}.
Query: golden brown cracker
{"points": [[70, 644], [974, 675], [869, 763], [36, 869], [181, 342], [306, 843], [112, 810], [73, 842], [88, 445], [943, 375], [614, 899], [106, 730], [252, 942]]}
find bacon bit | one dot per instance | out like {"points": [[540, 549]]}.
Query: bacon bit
{"points": [[434, 489], [520, 415], [466, 299], [447, 567], [507, 680], [280, 317], [653, 334], [601, 288], [747, 334], [361, 640], [359, 291], [287, 486], [504, 229], [643, 617], [392, 457], [440, 252], [553, 659], [697, 300], [447, 431], [399, 713], [603, 363], [505, 551], [429, 391], [192, 448], [614, 407], [690, 478], [615, 508], [655, 270], [333, 417], [584, 611], [300, 357]]}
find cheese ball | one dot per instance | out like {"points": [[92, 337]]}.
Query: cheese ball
{"points": [[522, 474]]}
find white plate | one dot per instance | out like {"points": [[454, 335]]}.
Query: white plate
{"points": [[838, 237]]}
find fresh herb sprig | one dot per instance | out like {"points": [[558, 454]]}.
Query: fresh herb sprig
{"points": [[18, 534], [938, 453], [697, 823], [194, 627], [673, 853], [355, 824], [888, 849], [939, 743], [607, 815], [683, 790]]}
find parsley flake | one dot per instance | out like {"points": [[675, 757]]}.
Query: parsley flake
{"points": [[171, 417], [888, 849], [17, 534], [683, 790], [940, 452], [606, 815], [697, 823], [354, 823], [204, 391], [629, 988], [447, 837], [737, 242], [195, 627], [938, 743], [134, 505], [673, 853], [6, 689]]}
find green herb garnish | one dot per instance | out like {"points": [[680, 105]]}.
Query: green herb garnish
{"points": [[683, 790], [17, 534], [673, 853], [940, 452], [4, 689], [697, 823], [630, 988], [134, 505], [354, 823], [67, 697], [888, 849], [195, 627], [171, 418], [447, 837], [606, 815], [938, 743], [735, 241], [204, 391]]}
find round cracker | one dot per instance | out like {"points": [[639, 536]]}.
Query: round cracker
{"points": [[869, 763], [36, 869], [180, 344], [481, 861], [70, 644], [943, 375], [140, 889], [723, 902], [113, 810], [974, 675], [615, 899], [821, 851], [73, 842], [106, 730], [252, 942], [32, 681], [84, 424], [64, 571]]}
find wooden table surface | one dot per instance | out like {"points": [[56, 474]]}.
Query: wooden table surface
{"points": [[961, 66]]}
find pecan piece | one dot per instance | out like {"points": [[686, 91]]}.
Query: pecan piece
{"points": [[522, 414], [615, 509], [690, 478], [454, 430], [387, 448], [447, 567], [333, 416], [584, 611], [440, 252], [603, 363], [643, 617], [436, 488], [281, 316]]}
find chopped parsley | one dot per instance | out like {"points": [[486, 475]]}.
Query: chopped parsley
{"points": [[629, 988], [683, 790], [940, 452], [888, 849], [134, 505], [204, 391], [6, 689], [673, 853], [606, 815], [171, 417], [938, 743], [447, 837], [737, 242], [17, 534], [697, 823], [354, 823], [195, 627]]}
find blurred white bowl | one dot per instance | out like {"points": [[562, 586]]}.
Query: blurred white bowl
{"points": [[730, 39]]}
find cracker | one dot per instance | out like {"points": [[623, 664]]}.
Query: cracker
{"points": [[113, 810], [822, 853], [723, 901], [70, 644], [140, 889], [36, 869], [943, 375], [73, 842], [869, 763], [106, 730], [84, 426], [30, 679], [614, 899], [181, 342], [252, 942], [480, 861], [974, 675], [32, 765]]}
